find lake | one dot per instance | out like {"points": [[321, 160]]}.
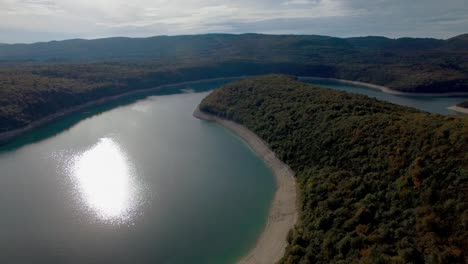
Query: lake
{"points": [[140, 182]]}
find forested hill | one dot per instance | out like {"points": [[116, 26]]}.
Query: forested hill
{"points": [[37, 80], [379, 183], [246, 46]]}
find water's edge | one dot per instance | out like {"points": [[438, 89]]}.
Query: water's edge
{"points": [[387, 89], [459, 109], [283, 213], [271, 243], [8, 136]]}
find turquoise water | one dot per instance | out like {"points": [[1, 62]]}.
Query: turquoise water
{"points": [[140, 182], [429, 104]]}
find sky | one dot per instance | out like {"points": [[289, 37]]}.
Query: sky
{"points": [[27, 21]]}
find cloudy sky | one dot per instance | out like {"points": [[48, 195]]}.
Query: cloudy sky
{"points": [[42, 20]]}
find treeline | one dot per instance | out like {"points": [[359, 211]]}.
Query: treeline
{"points": [[39, 79], [379, 183], [28, 93]]}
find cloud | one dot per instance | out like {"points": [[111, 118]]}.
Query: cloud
{"points": [[103, 18], [299, 2], [31, 7]]}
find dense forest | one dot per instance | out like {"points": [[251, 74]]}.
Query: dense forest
{"points": [[379, 183], [39, 79]]}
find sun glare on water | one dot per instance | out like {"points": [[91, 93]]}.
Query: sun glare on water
{"points": [[103, 177]]}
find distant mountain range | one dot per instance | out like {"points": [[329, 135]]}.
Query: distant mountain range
{"points": [[215, 45]]}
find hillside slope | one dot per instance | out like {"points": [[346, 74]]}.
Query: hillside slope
{"points": [[40, 79], [379, 183], [229, 45]]}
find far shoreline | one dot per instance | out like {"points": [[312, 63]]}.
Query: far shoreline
{"points": [[283, 213], [387, 89], [9, 136]]}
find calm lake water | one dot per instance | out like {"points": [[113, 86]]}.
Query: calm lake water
{"points": [[140, 182], [429, 104]]}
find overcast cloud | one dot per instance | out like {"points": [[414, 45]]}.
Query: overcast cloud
{"points": [[43, 20]]}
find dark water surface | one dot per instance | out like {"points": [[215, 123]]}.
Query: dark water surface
{"points": [[140, 182]]}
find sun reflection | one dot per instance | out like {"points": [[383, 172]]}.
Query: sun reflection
{"points": [[104, 178]]}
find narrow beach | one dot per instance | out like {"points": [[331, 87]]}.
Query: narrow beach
{"points": [[459, 109], [283, 213]]}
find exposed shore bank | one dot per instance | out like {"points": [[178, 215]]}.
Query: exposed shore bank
{"points": [[459, 109], [283, 213], [8, 136], [387, 89]]}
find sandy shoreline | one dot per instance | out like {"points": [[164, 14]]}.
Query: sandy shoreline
{"points": [[388, 90], [283, 212], [6, 137], [459, 109]]}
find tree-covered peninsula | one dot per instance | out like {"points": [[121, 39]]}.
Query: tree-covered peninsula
{"points": [[378, 182]]}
